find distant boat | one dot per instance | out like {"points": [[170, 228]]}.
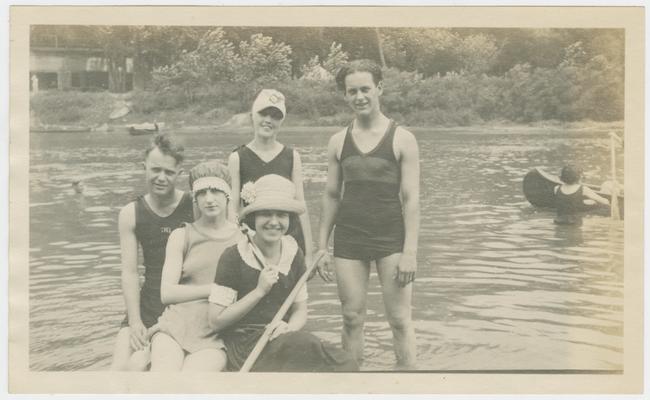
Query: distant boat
{"points": [[146, 128], [539, 188]]}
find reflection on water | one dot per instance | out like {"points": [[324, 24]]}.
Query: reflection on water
{"points": [[499, 286]]}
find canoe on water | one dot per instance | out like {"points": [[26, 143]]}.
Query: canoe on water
{"points": [[143, 129], [539, 191]]}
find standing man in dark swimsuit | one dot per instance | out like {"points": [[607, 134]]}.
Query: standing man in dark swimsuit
{"points": [[148, 221], [372, 196]]}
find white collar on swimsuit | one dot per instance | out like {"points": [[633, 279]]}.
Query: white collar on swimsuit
{"points": [[289, 251]]}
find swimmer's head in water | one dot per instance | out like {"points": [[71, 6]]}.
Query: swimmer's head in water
{"points": [[78, 186], [570, 174]]}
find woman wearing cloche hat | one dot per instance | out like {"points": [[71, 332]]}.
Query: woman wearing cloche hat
{"points": [[256, 276], [264, 155]]}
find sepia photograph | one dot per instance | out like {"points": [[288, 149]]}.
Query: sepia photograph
{"points": [[330, 195]]}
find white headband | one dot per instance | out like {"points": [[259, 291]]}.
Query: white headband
{"points": [[211, 182]]}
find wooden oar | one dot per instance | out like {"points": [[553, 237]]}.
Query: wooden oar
{"points": [[257, 253], [613, 206], [264, 339]]}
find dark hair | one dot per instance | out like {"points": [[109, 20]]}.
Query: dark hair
{"points": [[209, 168], [363, 65], [570, 174], [250, 221], [167, 145]]}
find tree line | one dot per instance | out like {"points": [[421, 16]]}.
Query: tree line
{"points": [[437, 75]]}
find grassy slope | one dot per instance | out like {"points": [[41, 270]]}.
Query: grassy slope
{"points": [[79, 109]]}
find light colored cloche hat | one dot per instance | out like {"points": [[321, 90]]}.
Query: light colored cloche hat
{"points": [[270, 192], [269, 98]]}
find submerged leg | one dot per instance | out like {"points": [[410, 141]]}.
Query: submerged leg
{"points": [[397, 301], [352, 279]]}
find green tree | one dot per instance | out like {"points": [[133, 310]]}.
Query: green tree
{"points": [[311, 70], [116, 42], [262, 60], [429, 51], [477, 53], [335, 58], [157, 46]]}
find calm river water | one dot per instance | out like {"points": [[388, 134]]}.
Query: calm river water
{"points": [[499, 286]]}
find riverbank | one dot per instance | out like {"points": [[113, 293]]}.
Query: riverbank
{"points": [[54, 112], [67, 111], [545, 127]]}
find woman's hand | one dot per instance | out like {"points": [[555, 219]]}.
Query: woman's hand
{"points": [[268, 277], [279, 328], [139, 337], [323, 266]]}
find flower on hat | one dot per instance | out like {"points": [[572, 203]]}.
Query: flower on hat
{"points": [[271, 192], [248, 193]]}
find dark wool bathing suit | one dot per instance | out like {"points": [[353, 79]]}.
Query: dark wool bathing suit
{"points": [[369, 222], [252, 168], [152, 232], [296, 351], [569, 207]]}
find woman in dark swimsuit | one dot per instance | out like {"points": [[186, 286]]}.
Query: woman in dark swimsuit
{"points": [[571, 197], [264, 155], [253, 280]]}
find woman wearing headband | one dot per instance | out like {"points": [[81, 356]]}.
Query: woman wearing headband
{"points": [[183, 339]]}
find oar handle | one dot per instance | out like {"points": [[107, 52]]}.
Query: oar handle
{"points": [[264, 339], [613, 206]]}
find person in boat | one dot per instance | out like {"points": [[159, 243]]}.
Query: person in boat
{"points": [[147, 222], [371, 197], [253, 280], [182, 339], [265, 155], [571, 197]]}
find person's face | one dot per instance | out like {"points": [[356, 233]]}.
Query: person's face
{"points": [[161, 172], [267, 122], [271, 225], [78, 187], [361, 93], [211, 202]]}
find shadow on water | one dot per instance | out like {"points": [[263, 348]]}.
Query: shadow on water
{"points": [[499, 286]]}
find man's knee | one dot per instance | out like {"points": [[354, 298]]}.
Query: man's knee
{"points": [[400, 321], [353, 318]]}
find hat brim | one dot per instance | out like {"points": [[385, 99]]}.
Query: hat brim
{"points": [[272, 106], [290, 206]]}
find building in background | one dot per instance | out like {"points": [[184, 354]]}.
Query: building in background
{"points": [[69, 68]]}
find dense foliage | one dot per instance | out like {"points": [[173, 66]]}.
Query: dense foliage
{"points": [[433, 76]]}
